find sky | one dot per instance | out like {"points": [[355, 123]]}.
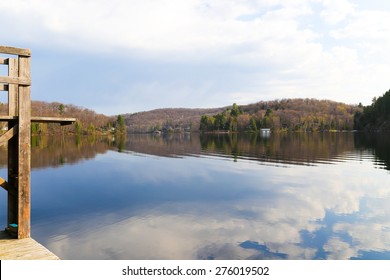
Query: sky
{"points": [[127, 56]]}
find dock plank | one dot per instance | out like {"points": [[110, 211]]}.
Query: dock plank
{"points": [[23, 249], [62, 121]]}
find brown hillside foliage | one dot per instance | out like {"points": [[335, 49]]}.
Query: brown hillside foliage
{"points": [[169, 119], [310, 114], [286, 114]]}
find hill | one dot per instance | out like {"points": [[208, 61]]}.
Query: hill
{"points": [[285, 114], [167, 119], [303, 114]]}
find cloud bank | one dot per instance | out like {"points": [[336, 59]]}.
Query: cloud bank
{"points": [[265, 49]]}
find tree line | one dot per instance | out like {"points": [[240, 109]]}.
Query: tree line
{"points": [[283, 115], [279, 115], [375, 116], [167, 120]]}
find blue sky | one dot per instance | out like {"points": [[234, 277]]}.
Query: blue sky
{"points": [[125, 56]]}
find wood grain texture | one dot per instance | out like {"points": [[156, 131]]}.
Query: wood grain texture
{"points": [[13, 92], [41, 119], [23, 249], [15, 51], [3, 61], [8, 135], [24, 152], [3, 184], [13, 71], [15, 80], [18, 138], [62, 121], [3, 87]]}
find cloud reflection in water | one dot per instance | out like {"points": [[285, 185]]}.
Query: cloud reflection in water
{"points": [[208, 208]]}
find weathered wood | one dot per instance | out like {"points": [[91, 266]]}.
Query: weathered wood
{"points": [[13, 156], [62, 121], [15, 80], [12, 214], [4, 184], [23, 249], [13, 90], [15, 51], [3, 87], [8, 135], [41, 119], [19, 119], [3, 61], [24, 135], [8, 118]]}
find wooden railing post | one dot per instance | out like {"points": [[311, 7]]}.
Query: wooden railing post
{"points": [[24, 150], [19, 149], [18, 84], [13, 156]]}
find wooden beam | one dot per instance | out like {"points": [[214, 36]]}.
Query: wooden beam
{"points": [[4, 61], [62, 121], [8, 135], [16, 81], [3, 87], [15, 51], [8, 118], [4, 184], [24, 151], [13, 71], [13, 157]]}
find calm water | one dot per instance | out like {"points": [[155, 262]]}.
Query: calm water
{"points": [[288, 196]]}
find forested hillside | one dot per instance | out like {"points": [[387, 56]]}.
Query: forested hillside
{"points": [[375, 116], [286, 114], [167, 120]]}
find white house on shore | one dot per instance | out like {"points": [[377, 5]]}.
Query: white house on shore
{"points": [[265, 132]]}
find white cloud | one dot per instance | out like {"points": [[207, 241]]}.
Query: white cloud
{"points": [[339, 250], [336, 11], [308, 48], [368, 32], [366, 24], [154, 26], [351, 215]]}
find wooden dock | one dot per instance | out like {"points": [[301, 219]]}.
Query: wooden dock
{"points": [[23, 249], [18, 139]]}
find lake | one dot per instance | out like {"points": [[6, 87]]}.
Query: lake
{"points": [[214, 196]]}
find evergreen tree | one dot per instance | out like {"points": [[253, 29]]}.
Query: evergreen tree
{"points": [[121, 124]]}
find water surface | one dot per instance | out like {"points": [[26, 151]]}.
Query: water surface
{"points": [[190, 196]]}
